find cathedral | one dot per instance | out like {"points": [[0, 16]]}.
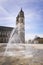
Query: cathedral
{"points": [[5, 32]]}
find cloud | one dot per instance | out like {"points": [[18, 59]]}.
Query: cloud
{"points": [[3, 12], [32, 36], [34, 24], [33, 10], [32, 20], [6, 19]]}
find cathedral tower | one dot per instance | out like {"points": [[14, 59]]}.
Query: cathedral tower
{"points": [[21, 26]]}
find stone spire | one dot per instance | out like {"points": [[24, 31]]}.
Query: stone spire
{"points": [[21, 13]]}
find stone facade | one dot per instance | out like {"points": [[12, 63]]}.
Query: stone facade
{"points": [[38, 40], [21, 25], [5, 34]]}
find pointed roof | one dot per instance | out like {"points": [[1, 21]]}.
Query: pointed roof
{"points": [[21, 14], [21, 11]]}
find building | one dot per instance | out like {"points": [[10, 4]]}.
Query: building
{"points": [[5, 34], [21, 25], [38, 40]]}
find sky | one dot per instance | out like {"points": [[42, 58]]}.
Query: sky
{"points": [[33, 11]]}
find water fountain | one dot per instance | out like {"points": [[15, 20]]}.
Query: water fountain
{"points": [[14, 37], [15, 44]]}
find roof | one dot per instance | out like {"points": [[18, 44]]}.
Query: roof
{"points": [[4, 28]]}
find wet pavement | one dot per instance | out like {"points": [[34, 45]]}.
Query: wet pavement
{"points": [[21, 54]]}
